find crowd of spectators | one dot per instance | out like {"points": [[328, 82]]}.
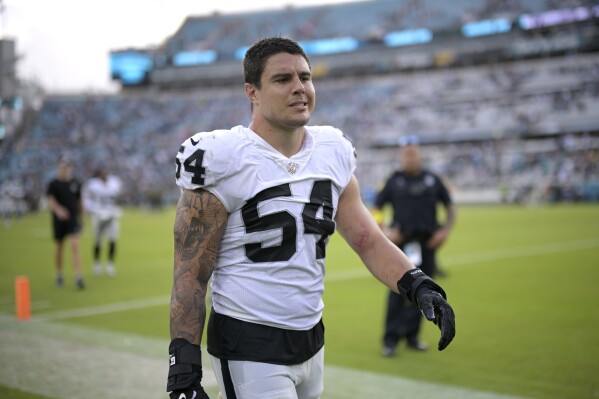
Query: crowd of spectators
{"points": [[500, 100], [548, 169], [494, 106], [134, 136]]}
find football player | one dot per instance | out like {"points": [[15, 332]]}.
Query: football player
{"points": [[100, 199], [258, 205]]}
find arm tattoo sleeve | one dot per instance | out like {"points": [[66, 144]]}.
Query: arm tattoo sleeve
{"points": [[199, 226]]}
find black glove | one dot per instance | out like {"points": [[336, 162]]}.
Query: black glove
{"points": [[185, 371], [431, 299]]}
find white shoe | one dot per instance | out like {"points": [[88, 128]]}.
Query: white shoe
{"points": [[110, 270], [97, 268]]}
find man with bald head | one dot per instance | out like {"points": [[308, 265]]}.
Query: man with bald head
{"points": [[413, 193]]}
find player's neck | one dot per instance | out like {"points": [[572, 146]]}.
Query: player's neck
{"points": [[413, 171], [287, 142]]}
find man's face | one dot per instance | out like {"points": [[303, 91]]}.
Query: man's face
{"points": [[287, 97], [65, 170], [411, 158]]}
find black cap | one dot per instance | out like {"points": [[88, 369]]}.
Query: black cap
{"points": [[410, 139]]}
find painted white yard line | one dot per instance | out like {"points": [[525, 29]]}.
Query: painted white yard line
{"points": [[487, 256], [35, 306], [59, 369], [517, 252], [344, 383], [65, 362], [479, 257], [103, 309]]}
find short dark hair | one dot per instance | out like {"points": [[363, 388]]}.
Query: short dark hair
{"points": [[257, 55]]}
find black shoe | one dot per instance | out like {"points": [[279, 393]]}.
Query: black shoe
{"points": [[418, 346], [59, 281], [80, 284], [388, 351]]}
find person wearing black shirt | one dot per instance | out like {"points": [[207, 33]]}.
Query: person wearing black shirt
{"points": [[413, 194], [64, 201]]}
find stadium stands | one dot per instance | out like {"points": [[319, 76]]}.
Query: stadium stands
{"points": [[519, 123], [227, 32]]}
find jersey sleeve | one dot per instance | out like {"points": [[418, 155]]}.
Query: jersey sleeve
{"points": [[444, 196], [382, 197], [348, 157], [78, 190], [88, 197], [50, 189], [117, 184], [203, 161], [353, 155]]}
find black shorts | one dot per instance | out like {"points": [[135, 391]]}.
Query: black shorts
{"points": [[232, 339], [63, 228]]}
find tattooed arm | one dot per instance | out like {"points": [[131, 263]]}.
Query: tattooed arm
{"points": [[199, 227]]}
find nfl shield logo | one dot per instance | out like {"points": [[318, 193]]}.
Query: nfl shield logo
{"points": [[291, 168]]}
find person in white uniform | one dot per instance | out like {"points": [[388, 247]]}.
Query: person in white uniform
{"points": [[100, 198], [257, 207]]}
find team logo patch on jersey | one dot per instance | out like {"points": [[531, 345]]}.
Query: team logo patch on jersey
{"points": [[292, 168]]}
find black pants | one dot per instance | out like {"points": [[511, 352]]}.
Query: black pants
{"points": [[403, 317]]}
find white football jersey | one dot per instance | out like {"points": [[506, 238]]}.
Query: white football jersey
{"points": [[270, 268], [100, 197]]}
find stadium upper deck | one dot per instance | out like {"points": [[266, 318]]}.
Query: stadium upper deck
{"points": [[363, 37], [364, 20], [513, 85]]}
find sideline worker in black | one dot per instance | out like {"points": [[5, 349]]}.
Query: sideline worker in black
{"points": [[64, 202], [414, 194]]}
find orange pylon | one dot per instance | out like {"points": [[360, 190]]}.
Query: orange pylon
{"points": [[23, 298]]}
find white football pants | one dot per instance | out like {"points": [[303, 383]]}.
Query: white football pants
{"points": [[238, 379]]}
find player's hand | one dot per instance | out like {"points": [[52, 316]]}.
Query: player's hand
{"points": [[394, 235], [190, 393], [62, 213], [438, 238], [436, 309], [185, 371], [431, 300]]}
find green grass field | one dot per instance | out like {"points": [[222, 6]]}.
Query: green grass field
{"points": [[522, 280]]}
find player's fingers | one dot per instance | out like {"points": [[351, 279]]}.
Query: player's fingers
{"points": [[446, 323], [427, 307]]}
